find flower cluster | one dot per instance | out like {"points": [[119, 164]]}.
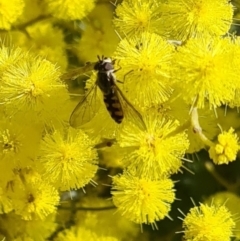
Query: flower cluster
{"points": [[40, 154]]}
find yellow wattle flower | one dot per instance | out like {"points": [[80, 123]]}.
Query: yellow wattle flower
{"points": [[68, 159], [231, 201], [226, 149], [145, 62], [142, 200], [134, 17], [33, 85], [184, 19], [211, 223], [155, 152], [10, 55], [204, 72]]}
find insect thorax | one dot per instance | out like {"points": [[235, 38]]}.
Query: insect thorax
{"points": [[105, 75], [106, 81]]}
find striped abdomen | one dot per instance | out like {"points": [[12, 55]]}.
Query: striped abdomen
{"points": [[113, 106]]}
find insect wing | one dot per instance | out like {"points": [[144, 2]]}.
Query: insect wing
{"points": [[86, 108], [130, 113], [75, 73]]}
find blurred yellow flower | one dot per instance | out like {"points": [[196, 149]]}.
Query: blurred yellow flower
{"points": [[69, 9], [32, 197], [95, 220], [98, 36], [31, 11], [9, 12], [26, 238], [31, 88], [16, 228], [48, 42], [81, 233], [5, 201]]}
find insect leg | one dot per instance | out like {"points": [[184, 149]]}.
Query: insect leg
{"points": [[119, 81], [127, 74]]}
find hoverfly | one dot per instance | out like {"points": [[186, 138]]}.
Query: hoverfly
{"points": [[115, 101]]}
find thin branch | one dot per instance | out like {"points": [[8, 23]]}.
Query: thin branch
{"points": [[230, 187], [90, 208], [197, 128], [31, 22]]}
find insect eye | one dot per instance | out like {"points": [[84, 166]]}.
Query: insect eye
{"points": [[108, 66]]}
